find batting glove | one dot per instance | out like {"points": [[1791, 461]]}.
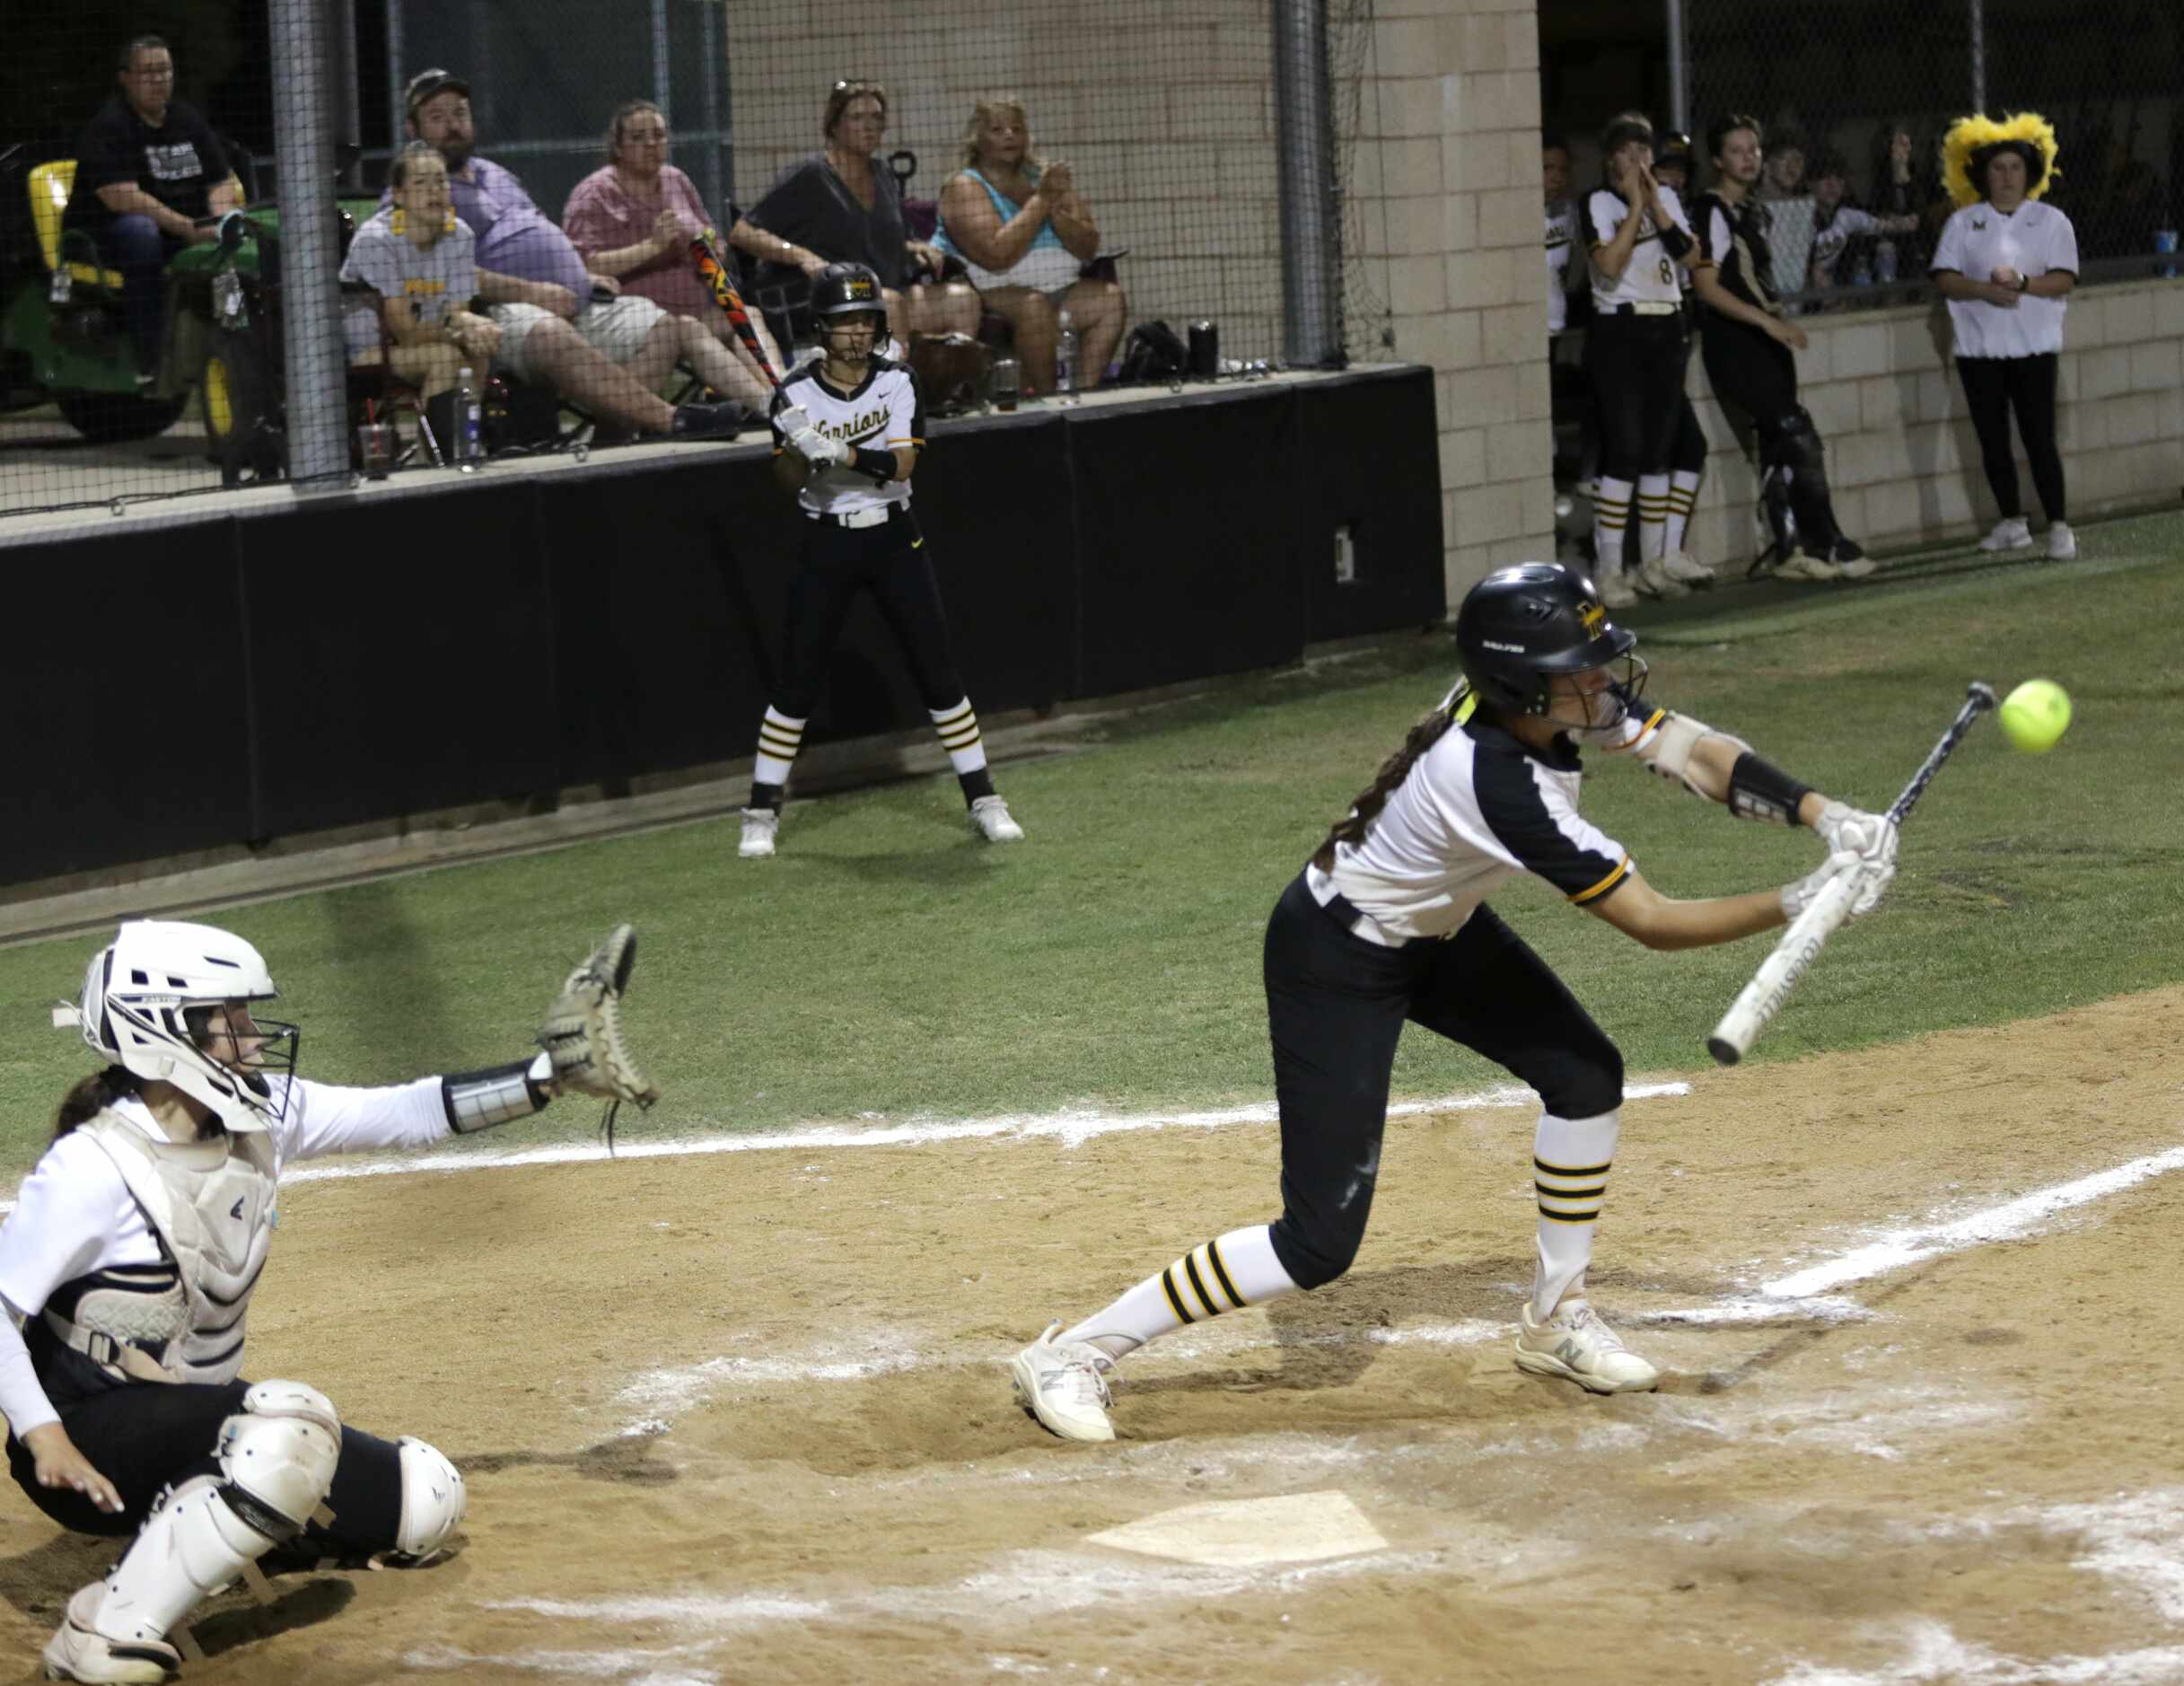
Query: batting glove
{"points": [[1797, 897], [1870, 837]]}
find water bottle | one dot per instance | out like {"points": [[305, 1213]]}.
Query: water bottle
{"points": [[1861, 276], [1884, 262], [1065, 359], [470, 444]]}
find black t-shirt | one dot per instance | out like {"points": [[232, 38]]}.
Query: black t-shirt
{"points": [[810, 205], [179, 164], [1735, 237]]}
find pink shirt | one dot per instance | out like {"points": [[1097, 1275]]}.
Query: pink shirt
{"points": [[604, 215]]}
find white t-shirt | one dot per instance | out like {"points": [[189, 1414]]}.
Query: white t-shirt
{"points": [[2032, 239], [1561, 231], [1650, 276], [884, 413], [1790, 225]]}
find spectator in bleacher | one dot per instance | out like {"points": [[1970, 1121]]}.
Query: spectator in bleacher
{"points": [[1904, 187], [635, 220], [418, 256], [147, 169], [838, 206], [1836, 222], [560, 323], [2006, 264], [1020, 227], [1788, 199]]}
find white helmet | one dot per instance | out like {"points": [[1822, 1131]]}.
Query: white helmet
{"points": [[139, 1007]]}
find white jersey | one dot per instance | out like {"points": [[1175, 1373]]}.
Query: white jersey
{"points": [[2033, 239], [1475, 809], [85, 1248], [882, 413], [1650, 276], [1561, 234]]}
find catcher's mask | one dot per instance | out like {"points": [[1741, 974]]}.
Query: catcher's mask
{"points": [[1523, 627]]}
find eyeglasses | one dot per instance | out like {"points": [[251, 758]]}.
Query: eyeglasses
{"points": [[855, 84]]}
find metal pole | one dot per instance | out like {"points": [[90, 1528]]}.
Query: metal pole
{"points": [[1304, 145], [718, 161], [341, 65], [311, 253], [1679, 70], [662, 75], [398, 117], [1979, 54]]}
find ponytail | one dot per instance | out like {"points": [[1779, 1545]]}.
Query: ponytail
{"points": [[1394, 770], [93, 1095]]}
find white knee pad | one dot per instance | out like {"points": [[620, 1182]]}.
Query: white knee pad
{"points": [[279, 1453], [432, 1498]]}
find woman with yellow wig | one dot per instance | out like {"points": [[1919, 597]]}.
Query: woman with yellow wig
{"points": [[2006, 264]]}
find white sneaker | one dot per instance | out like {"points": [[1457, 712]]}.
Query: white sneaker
{"points": [[1576, 1345], [1681, 565], [990, 815], [2011, 533], [2062, 543], [1653, 579], [1064, 1387], [1806, 566], [80, 1652], [1615, 589], [759, 825]]}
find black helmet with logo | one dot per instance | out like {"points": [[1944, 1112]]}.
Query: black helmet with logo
{"points": [[845, 289], [1520, 626]]}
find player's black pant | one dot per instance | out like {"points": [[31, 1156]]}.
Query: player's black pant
{"points": [[890, 561], [1753, 370], [1993, 388], [1636, 366], [1756, 373], [146, 1436], [1336, 1004]]}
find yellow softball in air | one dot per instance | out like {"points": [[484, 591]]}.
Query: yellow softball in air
{"points": [[2035, 714]]}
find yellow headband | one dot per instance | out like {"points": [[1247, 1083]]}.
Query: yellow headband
{"points": [[1968, 135]]}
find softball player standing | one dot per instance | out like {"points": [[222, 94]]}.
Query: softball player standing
{"points": [[848, 429], [1388, 922]]}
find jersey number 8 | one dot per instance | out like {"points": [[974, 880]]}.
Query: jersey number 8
{"points": [[1667, 273]]}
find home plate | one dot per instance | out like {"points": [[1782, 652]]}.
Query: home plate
{"points": [[1250, 1532]]}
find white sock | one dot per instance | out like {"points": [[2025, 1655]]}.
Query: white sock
{"points": [[1611, 517], [1571, 1157], [1653, 516], [1224, 1275], [779, 739], [958, 730], [1683, 498]]}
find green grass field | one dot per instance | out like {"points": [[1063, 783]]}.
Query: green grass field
{"points": [[887, 964]]}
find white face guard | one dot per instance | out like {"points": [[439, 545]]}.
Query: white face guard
{"points": [[145, 1005]]}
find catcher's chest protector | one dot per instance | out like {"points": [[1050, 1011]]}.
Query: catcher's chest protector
{"points": [[212, 1204]]}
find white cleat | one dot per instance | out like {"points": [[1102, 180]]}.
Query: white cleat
{"points": [[2013, 533], [1653, 579], [1577, 1346], [1064, 1387], [760, 827], [80, 1652], [1681, 565], [1805, 566], [2062, 543], [991, 816], [1615, 589]]}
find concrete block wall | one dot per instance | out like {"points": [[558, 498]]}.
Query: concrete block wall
{"points": [[1901, 455]]}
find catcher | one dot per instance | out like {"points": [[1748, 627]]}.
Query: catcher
{"points": [[130, 1260]]}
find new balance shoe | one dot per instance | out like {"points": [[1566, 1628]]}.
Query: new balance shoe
{"points": [[1681, 565], [1615, 589], [2013, 533], [80, 1652], [1577, 1346], [991, 816], [1653, 579], [760, 826], [1805, 565], [1064, 1387], [1851, 562], [2062, 543]]}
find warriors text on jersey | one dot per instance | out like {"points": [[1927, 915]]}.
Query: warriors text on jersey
{"points": [[883, 412], [1650, 276]]}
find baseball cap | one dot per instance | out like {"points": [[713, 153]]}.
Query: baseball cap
{"points": [[426, 83]]}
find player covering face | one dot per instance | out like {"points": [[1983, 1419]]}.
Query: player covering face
{"points": [[1388, 923]]}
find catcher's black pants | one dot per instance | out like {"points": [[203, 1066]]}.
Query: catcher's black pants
{"points": [[1753, 370], [1637, 364], [1336, 1006], [890, 561], [146, 1436], [1993, 388]]}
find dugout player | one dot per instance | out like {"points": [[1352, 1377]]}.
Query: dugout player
{"points": [[848, 429], [1388, 922], [130, 1260], [1747, 343], [1687, 456]]}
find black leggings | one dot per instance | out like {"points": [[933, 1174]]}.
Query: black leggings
{"points": [[1751, 369], [1637, 364], [1993, 388], [890, 562], [1336, 1006]]}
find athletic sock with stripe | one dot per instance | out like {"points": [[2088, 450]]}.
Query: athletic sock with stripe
{"points": [[958, 734], [1611, 517], [1571, 1157], [779, 739], [1683, 498], [1224, 1275], [1653, 516]]}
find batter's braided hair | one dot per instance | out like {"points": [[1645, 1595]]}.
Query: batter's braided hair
{"points": [[1352, 828]]}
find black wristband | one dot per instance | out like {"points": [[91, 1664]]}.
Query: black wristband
{"points": [[1759, 791], [879, 464], [1674, 241]]}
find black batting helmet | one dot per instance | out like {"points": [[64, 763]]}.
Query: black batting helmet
{"points": [[1520, 626], [845, 289]]}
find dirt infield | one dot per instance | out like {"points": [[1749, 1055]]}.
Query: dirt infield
{"points": [[744, 1417]]}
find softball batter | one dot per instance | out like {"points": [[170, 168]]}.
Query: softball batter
{"points": [[1388, 922], [848, 427]]}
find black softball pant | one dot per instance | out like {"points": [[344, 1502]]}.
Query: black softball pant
{"points": [[1336, 1006], [1753, 370], [1993, 388], [890, 561], [1636, 366], [146, 1436]]}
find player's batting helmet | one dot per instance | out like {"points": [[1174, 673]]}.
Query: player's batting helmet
{"points": [[1520, 626], [845, 289]]}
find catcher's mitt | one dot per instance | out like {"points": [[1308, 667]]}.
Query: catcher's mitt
{"points": [[583, 1031]]}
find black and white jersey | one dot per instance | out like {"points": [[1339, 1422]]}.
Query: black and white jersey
{"points": [[1650, 276], [2033, 239], [1475, 809], [883, 412], [1561, 234], [1734, 240]]}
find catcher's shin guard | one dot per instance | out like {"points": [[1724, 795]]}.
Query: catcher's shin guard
{"points": [[1809, 501]]}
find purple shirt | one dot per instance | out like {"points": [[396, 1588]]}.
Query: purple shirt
{"points": [[514, 236]]}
